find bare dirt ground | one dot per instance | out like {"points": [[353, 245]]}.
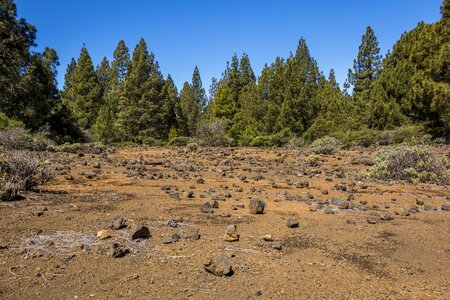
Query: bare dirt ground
{"points": [[341, 249]]}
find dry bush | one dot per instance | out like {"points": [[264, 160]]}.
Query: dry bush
{"points": [[214, 134], [410, 163], [22, 171], [325, 145], [18, 138]]}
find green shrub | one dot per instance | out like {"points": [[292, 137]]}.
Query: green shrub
{"points": [[325, 145], [150, 141], [180, 141], [262, 141], [172, 133], [22, 171], [192, 146], [7, 123], [296, 142], [245, 140], [95, 148], [313, 160], [410, 163], [364, 137], [409, 134]]}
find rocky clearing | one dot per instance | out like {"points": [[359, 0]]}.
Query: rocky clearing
{"points": [[155, 223]]}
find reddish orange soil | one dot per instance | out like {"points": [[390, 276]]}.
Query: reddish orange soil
{"points": [[49, 248]]}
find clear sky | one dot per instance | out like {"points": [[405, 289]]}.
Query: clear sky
{"points": [[206, 33]]}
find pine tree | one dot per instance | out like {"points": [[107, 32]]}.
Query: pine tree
{"points": [[104, 73], [121, 63], [198, 90], [248, 120], [271, 86], [366, 66], [85, 93], [106, 126], [17, 36], [414, 85], [247, 75], [169, 106], [224, 106], [299, 107], [137, 115], [69, 73], [188, 108]]}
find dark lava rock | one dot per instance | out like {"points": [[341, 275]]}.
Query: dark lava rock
{"points": [[387, 217], [429, 208], [301, 184], [329, 211], [118, 250], [117, 223], [371, 220], [293, 223], [340, 187], [206, 208], [220, 266], [337, 202], [140, 232], [90, 175], [256, 206], [276, 246]]}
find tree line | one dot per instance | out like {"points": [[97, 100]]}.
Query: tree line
{"points": [[130, 100]]}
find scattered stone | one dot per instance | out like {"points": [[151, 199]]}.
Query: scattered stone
{"points": [[301, 184], [371, 220], [206, 208], [256, 206], [175, 238], [90, 175], [276, 246], [214, 204], [329, 211], [118, 250], [172, 223], [103, 234], [402, 212], [117, 223], [350, 222], [387, 217], [362, 160], [337, 202], [445, 207], [97, 165], [231, 234], [267, 238], [190, 194], [200, 181], [419, 201], [68, 177], [340, 187], [220, 266], [191, 233], [140, 232], [429, 208], [292, 223]]}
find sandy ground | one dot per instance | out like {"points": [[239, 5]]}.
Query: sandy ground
{"points": [[49, 248]]}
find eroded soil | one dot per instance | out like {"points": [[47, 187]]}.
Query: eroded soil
{"points": [[49, 248]]}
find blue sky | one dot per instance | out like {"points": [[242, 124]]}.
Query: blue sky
{"points": [[183, 34]]}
